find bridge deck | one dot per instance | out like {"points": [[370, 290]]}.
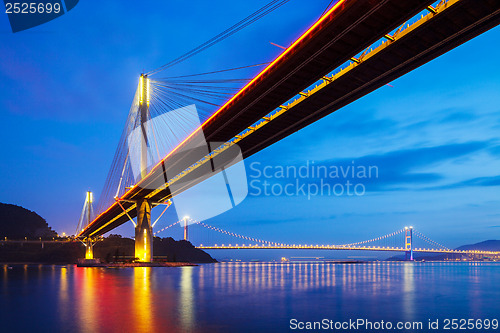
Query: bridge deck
{"points": [[344, 248], [434, 35]]}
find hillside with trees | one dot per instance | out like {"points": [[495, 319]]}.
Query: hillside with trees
{"points": [[17, 222]]}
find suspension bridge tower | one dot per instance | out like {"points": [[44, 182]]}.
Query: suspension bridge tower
{"points": [[409, 243], [143, 230], [186, 227], [85, 219]]}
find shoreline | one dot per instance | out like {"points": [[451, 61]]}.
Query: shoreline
{"points": [[135, 264], [154, 264]]}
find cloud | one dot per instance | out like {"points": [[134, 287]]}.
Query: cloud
{"points": [[454, 115], [474, 182], [392, 171]]}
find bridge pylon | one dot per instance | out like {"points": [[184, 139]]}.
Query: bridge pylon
{"points": [[144, 232], [144, 116], [185, 227], [409, 243], [85, 219]]}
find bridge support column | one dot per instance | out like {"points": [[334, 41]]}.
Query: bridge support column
{"points": [[89, 249], [144, 232], [409, 243]]}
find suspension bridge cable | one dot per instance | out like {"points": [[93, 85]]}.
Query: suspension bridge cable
{"points": [[164, 129], [374, 239], [263, 11], [169, 226], [213, 72], [326, 9], [232, 233], [428, 240]]}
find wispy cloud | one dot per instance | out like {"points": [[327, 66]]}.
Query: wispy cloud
{"points": [[396, 170]]}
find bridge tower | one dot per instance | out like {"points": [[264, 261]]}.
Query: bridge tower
{"points": [[144, 114], [144, 230], [409, 243], [186, 227], [85, 219]]}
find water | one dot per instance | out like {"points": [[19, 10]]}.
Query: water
{"points": [[241, 297]]}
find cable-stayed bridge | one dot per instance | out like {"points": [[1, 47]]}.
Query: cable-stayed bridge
{"points": [[351, 50]]}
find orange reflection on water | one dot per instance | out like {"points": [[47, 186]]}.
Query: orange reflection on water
{"points": [[5, 274], [86, 293], [210, 297], [123, 300], [63, 291], [142, 308]]}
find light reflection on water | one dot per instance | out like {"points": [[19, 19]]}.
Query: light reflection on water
{"points": [[230, 297]]}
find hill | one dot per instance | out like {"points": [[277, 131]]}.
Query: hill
{"points": [[110, 249], [17, 222], [489, 245]]}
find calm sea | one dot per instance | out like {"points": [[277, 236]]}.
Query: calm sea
{"points": [[245, 297]]}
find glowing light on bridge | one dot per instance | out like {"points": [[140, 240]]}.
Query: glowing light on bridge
{"points": [[89, 197]]}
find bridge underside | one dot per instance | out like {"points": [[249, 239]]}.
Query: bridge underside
{"points": [[348, 31], [454, 26]]}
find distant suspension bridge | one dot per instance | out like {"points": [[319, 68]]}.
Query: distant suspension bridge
{"points": [[407, 240]]}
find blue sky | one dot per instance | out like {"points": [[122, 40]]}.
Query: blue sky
{"points": [[66, 88]]}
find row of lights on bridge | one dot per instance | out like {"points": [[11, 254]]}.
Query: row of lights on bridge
{"points": [[40, 238]]}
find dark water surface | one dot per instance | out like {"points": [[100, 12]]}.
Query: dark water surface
{"points": [[242, 297]]}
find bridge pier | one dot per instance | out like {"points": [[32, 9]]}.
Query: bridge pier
{"points": [[144, 232]]}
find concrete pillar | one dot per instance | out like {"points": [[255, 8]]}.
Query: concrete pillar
{"points": [[89, 249], [144, 232]]}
